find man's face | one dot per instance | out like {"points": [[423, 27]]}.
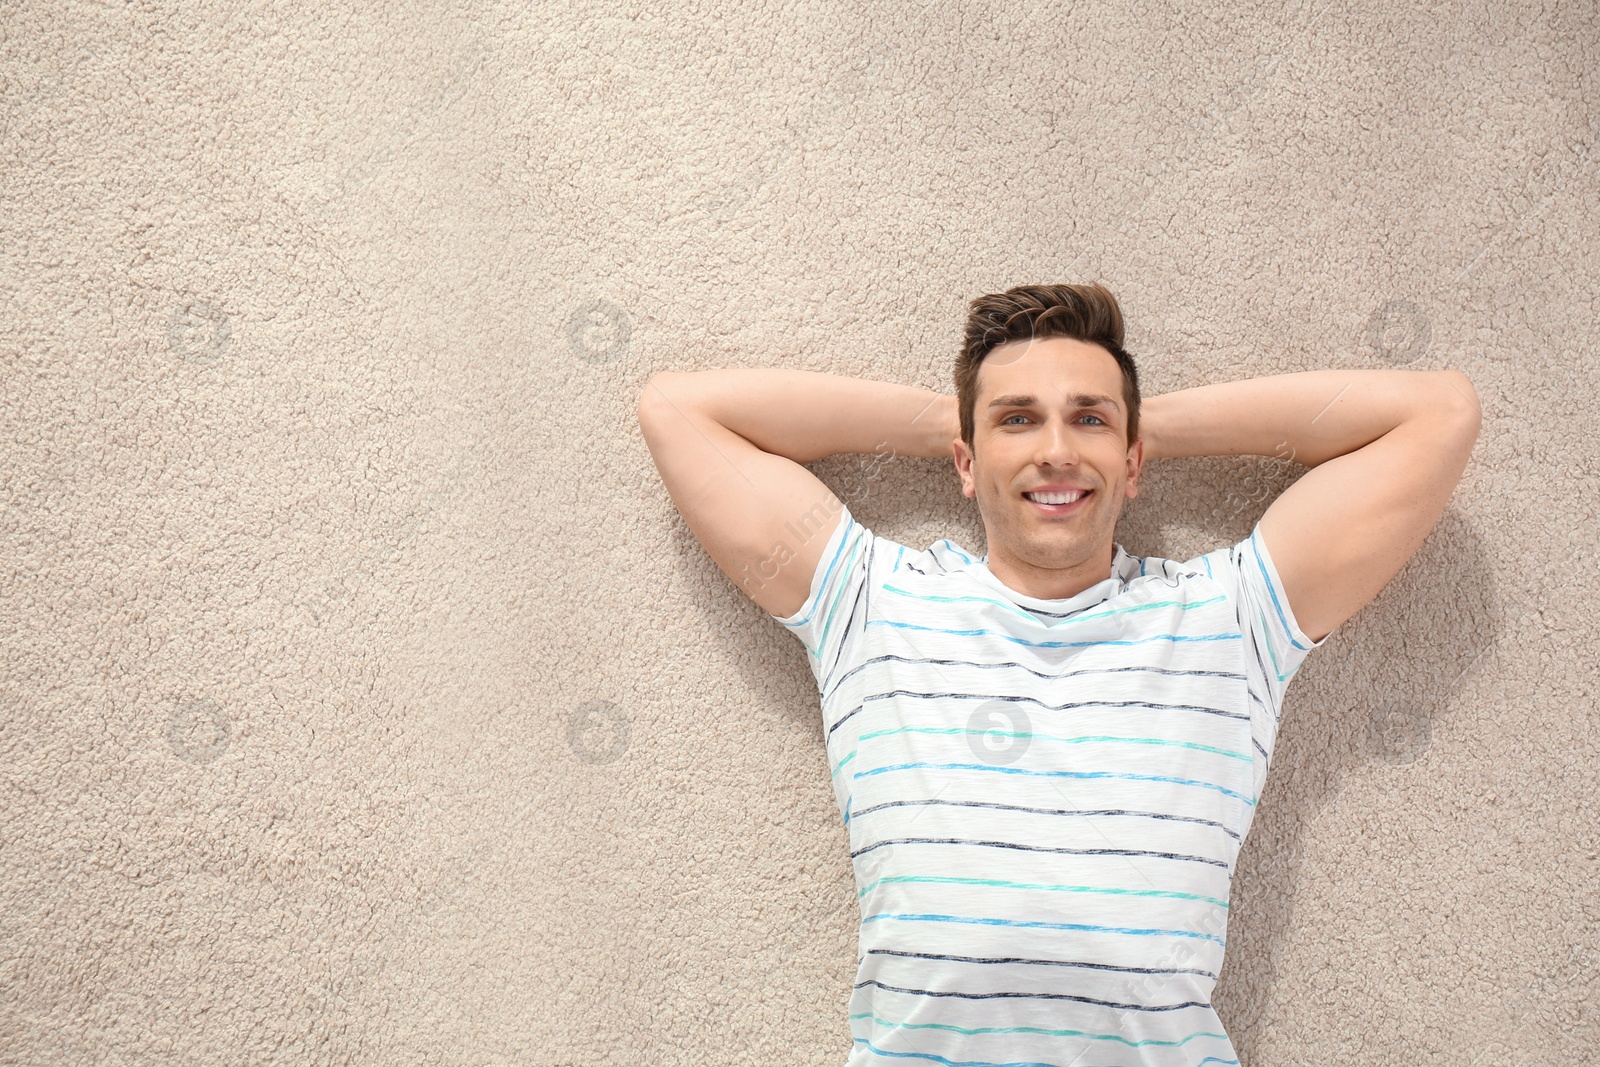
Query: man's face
{"points": [[1049, 415]]}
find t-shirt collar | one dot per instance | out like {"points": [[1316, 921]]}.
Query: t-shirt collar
{"points": [[1124, 569]]}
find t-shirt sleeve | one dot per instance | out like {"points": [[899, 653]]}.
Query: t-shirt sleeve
{"points": [[1274, 645], [854, 562]]}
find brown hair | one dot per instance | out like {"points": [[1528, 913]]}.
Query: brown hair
{"points": [[1083, 312]]}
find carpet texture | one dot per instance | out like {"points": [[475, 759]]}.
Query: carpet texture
{"points": [[366, 700]]}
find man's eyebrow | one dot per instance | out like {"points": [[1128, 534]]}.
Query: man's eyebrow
{"points": [[1082, 400]]}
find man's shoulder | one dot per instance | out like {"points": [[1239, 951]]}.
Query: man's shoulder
{"points": [[1219, 563], [944, 556]]}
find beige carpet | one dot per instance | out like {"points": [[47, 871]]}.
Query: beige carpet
{"points": [[365, 701]]}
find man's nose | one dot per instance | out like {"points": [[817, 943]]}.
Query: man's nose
{"points": [[1057, 446]]}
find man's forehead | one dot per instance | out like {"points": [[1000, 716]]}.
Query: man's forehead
{"points": [[1051, 371], [1072, 399], [1028, 350]]}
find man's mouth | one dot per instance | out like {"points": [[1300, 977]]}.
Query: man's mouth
{"points": [[1059, 502]]}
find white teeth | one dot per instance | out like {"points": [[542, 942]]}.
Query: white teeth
{"points": [[1055, 498]]}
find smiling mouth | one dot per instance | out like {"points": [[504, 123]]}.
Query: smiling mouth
{"points": [[1057, 503]]}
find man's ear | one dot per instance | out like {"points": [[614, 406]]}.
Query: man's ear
{"points": [[964, 468], [1135, 466]]}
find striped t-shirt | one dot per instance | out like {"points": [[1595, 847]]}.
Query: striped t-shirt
{"points": [[1044, 798]]}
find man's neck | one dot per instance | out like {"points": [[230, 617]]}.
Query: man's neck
{"points": [[1045, 583]]}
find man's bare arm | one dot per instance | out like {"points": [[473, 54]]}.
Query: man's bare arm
{"points": [[806, 415], [1388, 447], [729, 444]]}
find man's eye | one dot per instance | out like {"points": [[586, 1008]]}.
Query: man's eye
{"points": [[1007, 420]]}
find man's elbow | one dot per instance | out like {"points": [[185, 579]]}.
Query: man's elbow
{"points": [[653, 399], [1461, 399]]}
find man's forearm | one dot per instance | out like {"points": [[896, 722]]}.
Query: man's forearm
{"points": [[806, 415], [1309, 416]]}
